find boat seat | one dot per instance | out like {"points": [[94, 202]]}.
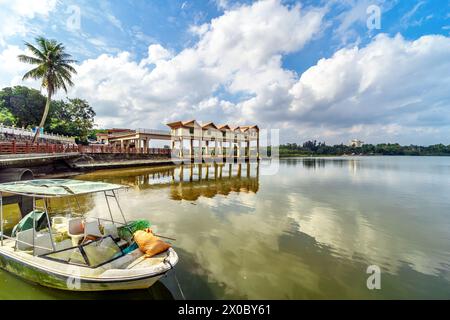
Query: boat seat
{"points": [[76, 230], [91, 229], [79, 230], [110, 229], [24, 236], [60, 224], [43, 240]]}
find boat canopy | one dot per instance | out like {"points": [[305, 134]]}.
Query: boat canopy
{"points": [[47, 188]]}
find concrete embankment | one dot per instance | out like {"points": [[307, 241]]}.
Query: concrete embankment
{"points": [[67, 164], [54, 165], [110, 161], [33, 160]]}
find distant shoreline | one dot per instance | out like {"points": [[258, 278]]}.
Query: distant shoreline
{"points": [[361, 155]]}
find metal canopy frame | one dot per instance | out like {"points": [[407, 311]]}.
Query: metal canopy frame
{"points": [[44, 208], [106, 188]]}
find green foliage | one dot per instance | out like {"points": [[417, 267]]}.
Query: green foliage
{"points": [[6, 117], [25, 104], [73, 117], [24, 107], [321, 149], [93, 133]]}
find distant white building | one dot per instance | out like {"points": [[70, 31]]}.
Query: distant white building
{"points": [[213, 140], [355, 143]]}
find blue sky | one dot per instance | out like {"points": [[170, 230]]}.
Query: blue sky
{"points": [[194, 71]]}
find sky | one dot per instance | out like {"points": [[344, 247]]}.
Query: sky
{"points": [[375, 70]]}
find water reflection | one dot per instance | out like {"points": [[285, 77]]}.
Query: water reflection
{"points": [[320, 163], [310, 231], [13, 287], [189, 182]]}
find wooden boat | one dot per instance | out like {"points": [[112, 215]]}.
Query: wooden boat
{"points": [[76, 253]]}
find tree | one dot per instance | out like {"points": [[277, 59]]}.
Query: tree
{"points": [[25, 104], [73, 117], [312, 148], [6, 117], [53, 69]]}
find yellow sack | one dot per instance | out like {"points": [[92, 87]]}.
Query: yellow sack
{"points": [[149, 243]]}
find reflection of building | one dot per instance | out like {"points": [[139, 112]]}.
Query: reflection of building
{"points": [[188, 182], [210, 140], [208, 180], [355, 143]]}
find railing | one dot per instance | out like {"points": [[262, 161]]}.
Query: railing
{"points": [[22, 132], [114, 149], [140, 130], [154, 131], [13, 147]]}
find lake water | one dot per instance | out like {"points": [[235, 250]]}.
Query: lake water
{"points": [[308, 231]]}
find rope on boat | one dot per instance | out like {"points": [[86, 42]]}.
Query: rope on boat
{"points": [[176, 278], [164, 237], [179, 286]]}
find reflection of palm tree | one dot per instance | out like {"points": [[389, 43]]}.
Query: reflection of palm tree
{"points": [[53, 68]]}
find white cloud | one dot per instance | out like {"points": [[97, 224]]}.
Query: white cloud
{"points": [[156, 53], [29, 9], [390, 81], [222, 4], [239, 52], [390, 89], [12, 70], [14, 15]]}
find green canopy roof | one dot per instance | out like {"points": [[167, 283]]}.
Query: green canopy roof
{"points": [[56, 187]]}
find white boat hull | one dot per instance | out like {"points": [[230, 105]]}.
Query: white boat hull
{"points": [[66, 277]]}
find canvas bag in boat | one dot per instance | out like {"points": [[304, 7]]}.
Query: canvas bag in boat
{"points": [[149, 243]]}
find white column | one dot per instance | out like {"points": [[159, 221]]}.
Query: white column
{"points": [[181, 147], [257, 146], [215, 149]]}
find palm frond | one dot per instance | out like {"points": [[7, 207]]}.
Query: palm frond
{"points": [[68, 61], [60, 82], [54, 65], [29, 59], [67, 78], [38, 53], [42, 43], [36, 73], [69, 68]]}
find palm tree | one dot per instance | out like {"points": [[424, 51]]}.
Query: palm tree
{"points": [[53, 68]]}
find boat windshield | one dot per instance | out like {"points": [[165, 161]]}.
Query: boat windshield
{"points": [[92, 254]]}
